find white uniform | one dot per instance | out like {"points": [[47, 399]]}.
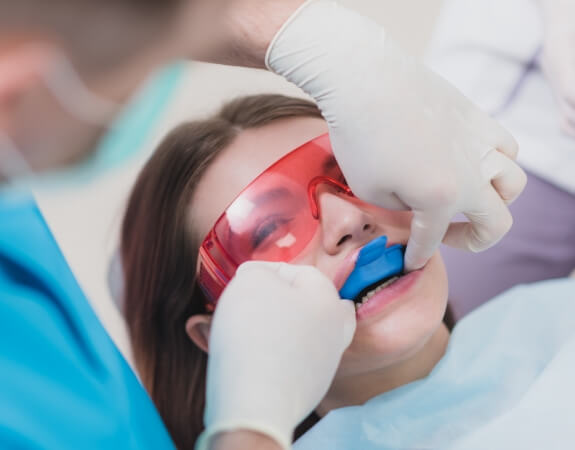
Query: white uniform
{"points": [[490, 50]]}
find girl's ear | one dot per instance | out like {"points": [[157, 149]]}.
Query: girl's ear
{"points": [[198, 330]]}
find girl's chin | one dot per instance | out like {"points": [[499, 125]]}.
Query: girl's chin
{"points": [[393, 344], [402, 333], [386, 349]]}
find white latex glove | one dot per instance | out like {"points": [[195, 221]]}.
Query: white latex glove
{"points": [[277, 337], [404, 137], [558, 58]]}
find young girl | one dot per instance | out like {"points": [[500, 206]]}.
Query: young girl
{"points": [[195, 174]]}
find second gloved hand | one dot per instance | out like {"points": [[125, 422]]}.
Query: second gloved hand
{"points": [[404, 137], [277, 337]]}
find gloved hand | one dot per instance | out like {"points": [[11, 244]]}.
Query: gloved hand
{"points": [[558, 58], [276, 341], [404, 137]]}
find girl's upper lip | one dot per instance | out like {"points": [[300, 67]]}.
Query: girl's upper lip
{"points": [[346, 268], [348, 264]]}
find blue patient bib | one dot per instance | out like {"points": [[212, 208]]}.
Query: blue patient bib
{"points": [[63, 382]]}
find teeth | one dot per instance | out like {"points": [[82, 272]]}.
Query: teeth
{"points": [[370, 294], [387, 283]]}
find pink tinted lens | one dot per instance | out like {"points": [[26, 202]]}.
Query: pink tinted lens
{"points": [[271, 221]]}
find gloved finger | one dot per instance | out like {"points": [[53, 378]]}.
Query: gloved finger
{"points": [[287, 272], [487, 224], [312, 279], [295, 275], [506, 176], [257, 267], [280, 268], [498, 137], [306, 276], [349, 321], [506, 143], [427, 230], [255, 272]]}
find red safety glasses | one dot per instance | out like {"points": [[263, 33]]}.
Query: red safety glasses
{"points": [[272, 219]]}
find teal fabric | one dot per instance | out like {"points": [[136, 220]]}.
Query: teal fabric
{"points": [[128, 134], [505, 382], [63, 383]]}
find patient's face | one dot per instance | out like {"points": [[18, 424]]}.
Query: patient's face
{"points": [[396, 322]]}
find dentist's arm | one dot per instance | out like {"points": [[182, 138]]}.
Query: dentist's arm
{"points": [[235, 32]]}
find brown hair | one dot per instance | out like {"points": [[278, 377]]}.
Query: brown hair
{"points": [[159, 255]]}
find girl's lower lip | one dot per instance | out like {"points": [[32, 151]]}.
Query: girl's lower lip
{"points": [[388, 295]]}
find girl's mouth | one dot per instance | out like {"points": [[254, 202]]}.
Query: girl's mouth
{"points": [[366, 294], [375, 267], [378, 296]]}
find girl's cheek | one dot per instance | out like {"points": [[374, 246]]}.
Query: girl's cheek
{"points": [[311, 256]]}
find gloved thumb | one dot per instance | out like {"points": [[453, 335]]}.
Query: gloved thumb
{"points": [[290, 273]]}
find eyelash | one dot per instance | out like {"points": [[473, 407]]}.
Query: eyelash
{"points": [[264, 231]]}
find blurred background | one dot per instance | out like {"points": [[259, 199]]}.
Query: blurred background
{"points": [[86, 219]]}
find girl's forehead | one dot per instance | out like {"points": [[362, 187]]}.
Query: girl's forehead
{"points": [[258, 148], [251, 153]]}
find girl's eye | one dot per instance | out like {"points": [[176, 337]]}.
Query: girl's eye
{"points": [[267, 228]]}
